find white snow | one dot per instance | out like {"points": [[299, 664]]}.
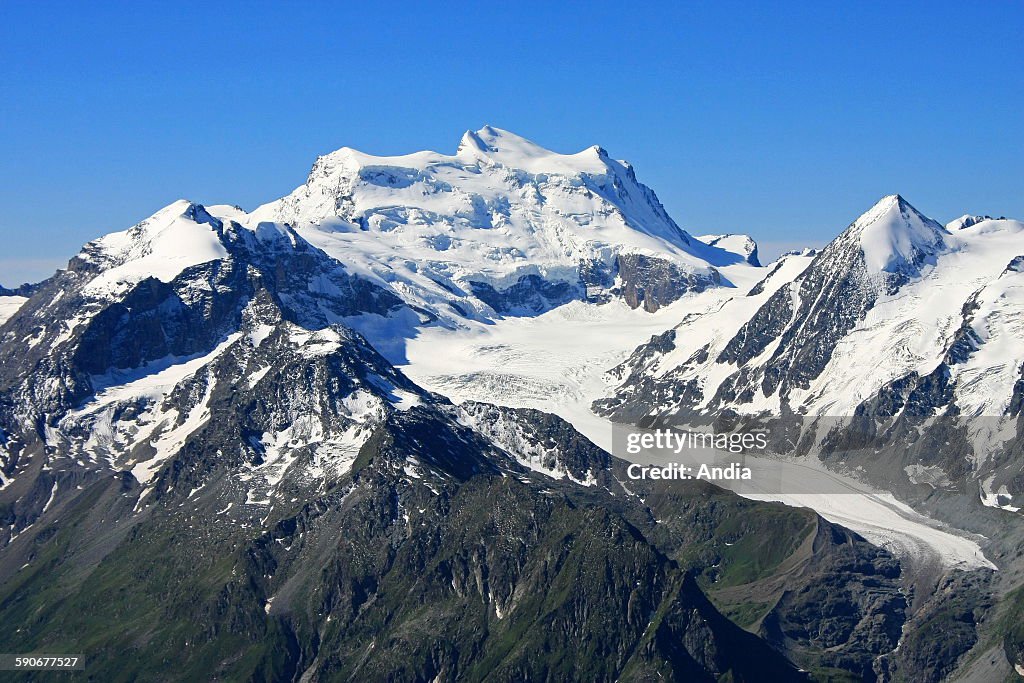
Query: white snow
{"points": [[161, 246], [427, 224], [9, 305], [885, 522], [992, 498], [905, 332], [965, 221], [743, 245], [153, 379], [510, 437], [534, 362], [541, 363], [168, 443], [49, 501], [254, 377], [314, 343], [362, 405], [259, 333], [890, 237], [405, 400], [111, 439], [911, 330], [400, 398], [985, 382]]}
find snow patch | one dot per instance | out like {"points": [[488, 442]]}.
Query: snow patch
{"points": [[9, 305]]}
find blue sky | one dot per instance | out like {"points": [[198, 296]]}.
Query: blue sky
{"points": [[782, 123]]}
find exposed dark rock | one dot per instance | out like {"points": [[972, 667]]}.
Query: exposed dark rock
{"points": [[26, 290], [530, 295], [653, 282]]}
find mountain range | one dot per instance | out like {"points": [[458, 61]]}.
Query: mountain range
{"points": [[364, 432]]}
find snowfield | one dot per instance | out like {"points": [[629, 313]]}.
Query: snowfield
{"points": [[9, 305], [557, 362]]}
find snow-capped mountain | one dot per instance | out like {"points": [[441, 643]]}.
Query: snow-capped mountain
{"points": [[897, 315], [118, 356], [502, 227], [743, 245], [187, 414], [373, 395]]}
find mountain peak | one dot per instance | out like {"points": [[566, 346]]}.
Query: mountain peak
{"points": [[501, 141], [508, 149], [502, 212], [966, 221], [893, 234], [180, 235], [744, 245], [471, 142]]}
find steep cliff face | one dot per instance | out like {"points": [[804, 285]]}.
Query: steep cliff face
{"points": [[651, 283]]}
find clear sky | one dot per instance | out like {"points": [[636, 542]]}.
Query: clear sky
{"points": [[784, 123]]}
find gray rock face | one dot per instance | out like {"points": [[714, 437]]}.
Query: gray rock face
{"points": [[530, 295], [26, 290], [651, 283], [848, 605], [642, 281]]}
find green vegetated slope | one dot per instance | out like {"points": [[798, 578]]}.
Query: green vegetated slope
{"points": [[488, 576]]}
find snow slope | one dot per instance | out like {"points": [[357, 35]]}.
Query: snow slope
{"points": [[744, 245], [556, 361], [894, 235], [162, 246], [541, 363], [9, 305]]}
